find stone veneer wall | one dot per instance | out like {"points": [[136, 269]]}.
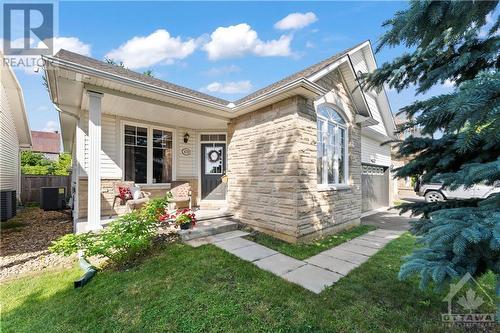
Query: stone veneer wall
{"points": [[107, 196], [263, 169], [325, 212], [272, 181]]}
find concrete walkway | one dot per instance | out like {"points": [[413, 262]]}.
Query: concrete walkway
{"points": [[315, 273]]}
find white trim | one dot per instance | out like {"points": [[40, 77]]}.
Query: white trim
{"points": [[230, 108], [94, 161], [345, 157], [198, 159], [149, 149], [339, 187], [325, 71]]}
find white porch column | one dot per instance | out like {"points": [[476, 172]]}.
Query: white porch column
{"points": [[94, 162]]}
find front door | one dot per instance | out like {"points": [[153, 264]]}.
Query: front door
{"points": [[213, 168]]}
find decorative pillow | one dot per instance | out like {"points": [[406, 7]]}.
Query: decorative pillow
{"points": [[124, 193], [136, 192]]}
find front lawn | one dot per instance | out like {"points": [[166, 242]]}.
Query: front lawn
{"points": [[184, 289], [303, 251]]}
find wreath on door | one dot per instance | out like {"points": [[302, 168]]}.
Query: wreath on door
{"points": [[213, 156]]}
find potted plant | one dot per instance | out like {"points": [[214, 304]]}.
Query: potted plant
{"points": [[183, 218]]}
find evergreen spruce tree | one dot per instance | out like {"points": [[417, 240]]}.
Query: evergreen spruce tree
{"points": [[457, 42]]}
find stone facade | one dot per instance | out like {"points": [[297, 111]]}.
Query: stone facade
{"points": [[272, 181]]}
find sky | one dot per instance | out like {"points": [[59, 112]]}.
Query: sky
{"points": [[227, 49]]}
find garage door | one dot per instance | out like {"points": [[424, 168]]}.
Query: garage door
{"points": [[374, 187]]}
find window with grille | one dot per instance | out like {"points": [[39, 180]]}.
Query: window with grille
{"points": [[332, 162]]}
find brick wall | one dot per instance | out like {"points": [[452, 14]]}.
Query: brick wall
{"points": [[272, 181]]}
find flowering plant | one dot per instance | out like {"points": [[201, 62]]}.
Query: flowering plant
{"points": [[180, 217]]}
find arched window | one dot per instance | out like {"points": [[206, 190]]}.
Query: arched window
{"points": [[332, 160]]}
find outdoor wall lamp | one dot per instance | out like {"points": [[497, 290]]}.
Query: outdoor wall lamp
{"points": [[186, 137]]}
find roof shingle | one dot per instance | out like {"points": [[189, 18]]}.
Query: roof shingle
{"points": [[124, 72], [46, 142]]}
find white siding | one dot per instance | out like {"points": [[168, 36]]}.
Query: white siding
{"points": [[371, 149], [372, 104], [110, 147], [9, 146], [359, 63], [187, 165]]}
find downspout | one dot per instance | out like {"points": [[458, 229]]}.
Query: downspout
{"points": [[88, 272]]}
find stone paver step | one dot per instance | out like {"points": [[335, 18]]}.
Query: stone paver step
{"points": [[235, 234], [209, 228]]}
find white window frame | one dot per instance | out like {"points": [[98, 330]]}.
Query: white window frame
{"points": [[324, 185], [149, 156]]}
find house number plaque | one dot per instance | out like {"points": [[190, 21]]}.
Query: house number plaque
{"points": [[186, 151]]}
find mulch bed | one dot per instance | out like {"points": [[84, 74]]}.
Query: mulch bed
{"points": [[25, 239]]}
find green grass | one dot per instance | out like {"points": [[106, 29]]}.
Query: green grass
{"points": [[306, 250], [205, 289]]}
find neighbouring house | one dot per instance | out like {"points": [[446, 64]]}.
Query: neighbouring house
{"points": [[14, 136], [403, 187], [302, 157], [46, 143]]}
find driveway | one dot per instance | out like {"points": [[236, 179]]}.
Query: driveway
{"points": [[390, 220]]}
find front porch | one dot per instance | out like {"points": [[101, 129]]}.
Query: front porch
{"points": [[208, 221], [116, 133]]}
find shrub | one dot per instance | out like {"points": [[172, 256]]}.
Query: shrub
{"points": [[121, 240]]}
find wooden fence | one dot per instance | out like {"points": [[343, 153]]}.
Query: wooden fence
{"points": [[31, 184]]}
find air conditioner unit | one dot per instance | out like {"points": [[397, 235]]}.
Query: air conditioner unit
{"points": [[53, 198], [8, 204]]}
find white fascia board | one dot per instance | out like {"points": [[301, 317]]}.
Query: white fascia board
{"points": [[325, 71], [138, 84], [15, 95], [359, 47], [301, 86], [230, 108], [387, 110]]}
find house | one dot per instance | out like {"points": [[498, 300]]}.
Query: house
{"points": [[302, 156], [404, 186], [14, 136], [46, 143]]}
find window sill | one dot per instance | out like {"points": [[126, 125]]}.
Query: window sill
{"points": [[340, 187]]}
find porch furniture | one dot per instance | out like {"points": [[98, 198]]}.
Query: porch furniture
{"points": [[181, 193], [129, 202]]}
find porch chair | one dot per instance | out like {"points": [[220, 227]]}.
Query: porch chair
{"points": [[181, 193], [130, 203]]}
